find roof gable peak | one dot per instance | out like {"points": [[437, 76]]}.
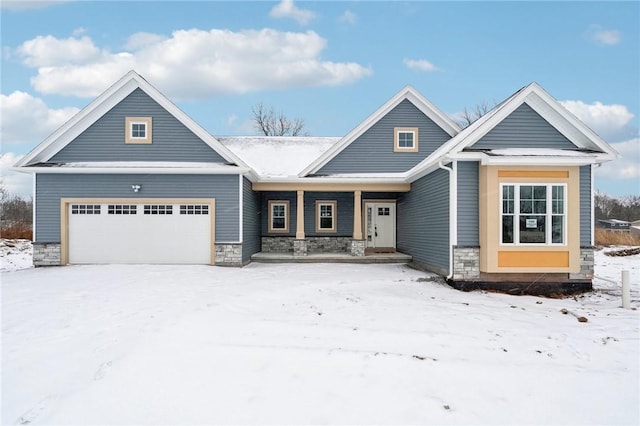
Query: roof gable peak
{"points": [[406, 93], [117, 92]]}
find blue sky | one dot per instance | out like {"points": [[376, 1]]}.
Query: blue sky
{"points": [[330, 63]]}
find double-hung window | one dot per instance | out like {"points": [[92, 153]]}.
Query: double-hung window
{"points": [[326, 216], [278, 216], [533, 214]]}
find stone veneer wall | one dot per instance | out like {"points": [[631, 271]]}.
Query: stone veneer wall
{"points": [[46, 254], [313, 245], [228, 255], [466, 263], [586, 265]]}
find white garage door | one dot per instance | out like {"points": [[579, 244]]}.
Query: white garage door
{"points": [[140, 233]]}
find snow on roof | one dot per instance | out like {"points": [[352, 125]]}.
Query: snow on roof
{"points": [[278, 156], [538, 152], [144, 164]]}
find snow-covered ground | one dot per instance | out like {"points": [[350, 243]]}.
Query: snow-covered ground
{"points": [[309, 344]]}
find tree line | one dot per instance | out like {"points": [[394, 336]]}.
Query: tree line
{"points": [[622, 208]]}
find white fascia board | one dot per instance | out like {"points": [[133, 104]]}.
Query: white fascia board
{"points": [[135, 170], [81, 121], [407, 92], [103, 104], [189, 123], [566, 122], [538, 161]]}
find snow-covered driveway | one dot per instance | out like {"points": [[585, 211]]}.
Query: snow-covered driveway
{"points": [[305, 343]]}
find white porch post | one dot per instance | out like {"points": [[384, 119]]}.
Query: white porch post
{"points": [[300, 216], [357, 215]]}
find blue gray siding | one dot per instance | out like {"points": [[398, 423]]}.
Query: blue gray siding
{"points": [[290, 196], [585, 205], [524, 128], [51, 188], [104, 140], [345, 213], [468, 208], [373, 150], [251, 216], [423, 222]]}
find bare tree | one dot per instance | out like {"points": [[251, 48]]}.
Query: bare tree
{"points": [[272, 123], [470, 115]]}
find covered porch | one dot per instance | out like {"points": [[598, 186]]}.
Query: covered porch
{"points": [[313, 222]]}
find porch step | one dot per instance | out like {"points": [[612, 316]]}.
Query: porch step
{"points": [[331, 258]]}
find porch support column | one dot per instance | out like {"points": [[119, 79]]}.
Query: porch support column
{"points": [[357, 243], [357, 215], [300, 216]]}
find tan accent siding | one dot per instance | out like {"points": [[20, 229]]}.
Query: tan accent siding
{"points": [[493, 254], [535, 259], [562, 174], [332, 187]]}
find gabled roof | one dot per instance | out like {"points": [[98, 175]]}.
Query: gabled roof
{"points": [[104, 103], [408, 93], [278, 156], [591, 147]]}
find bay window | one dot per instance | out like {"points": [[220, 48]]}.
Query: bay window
{"points": [[533, 213]]}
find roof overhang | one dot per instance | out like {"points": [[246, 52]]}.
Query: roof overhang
{"points": [[408, 93], [104, 103]]}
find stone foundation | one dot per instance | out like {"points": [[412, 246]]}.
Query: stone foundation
{"points": [[309, 245], [228, 255], [277, 244], [328, 244], [358, 247], [466, 263], [586, 265], [46, 254], [300, 247]]}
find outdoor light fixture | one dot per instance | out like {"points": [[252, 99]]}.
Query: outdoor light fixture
{"points": [[136, 187]]}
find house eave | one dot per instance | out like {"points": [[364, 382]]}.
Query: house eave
{"points": [[134, 170]]}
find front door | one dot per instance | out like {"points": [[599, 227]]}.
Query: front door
{"points": [[380, 225]]}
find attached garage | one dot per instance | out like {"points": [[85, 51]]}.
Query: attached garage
{"points": [[135, 231]]}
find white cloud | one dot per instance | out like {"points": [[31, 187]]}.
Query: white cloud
{"points": [[25, 119], [15, 183], [139, 40], [191, 63], [627, 167], [420, 65], [286, 9], [608, 121], [348, 17], [49, 51], [600, 36]]}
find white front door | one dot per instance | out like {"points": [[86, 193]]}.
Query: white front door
{"points": [[380, 224]]}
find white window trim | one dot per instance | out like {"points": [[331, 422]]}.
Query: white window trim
{"points": [[284, 203], [129, 138], [334, 215], [396, 139], [548, 215]]}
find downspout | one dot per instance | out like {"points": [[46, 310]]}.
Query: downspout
{"points": [[453, 210]]}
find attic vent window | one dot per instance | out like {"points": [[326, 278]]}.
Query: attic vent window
{"points": [[405, 139], [138, 130]]}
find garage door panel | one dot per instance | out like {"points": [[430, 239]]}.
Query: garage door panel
{"points": [[140, 233]]}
